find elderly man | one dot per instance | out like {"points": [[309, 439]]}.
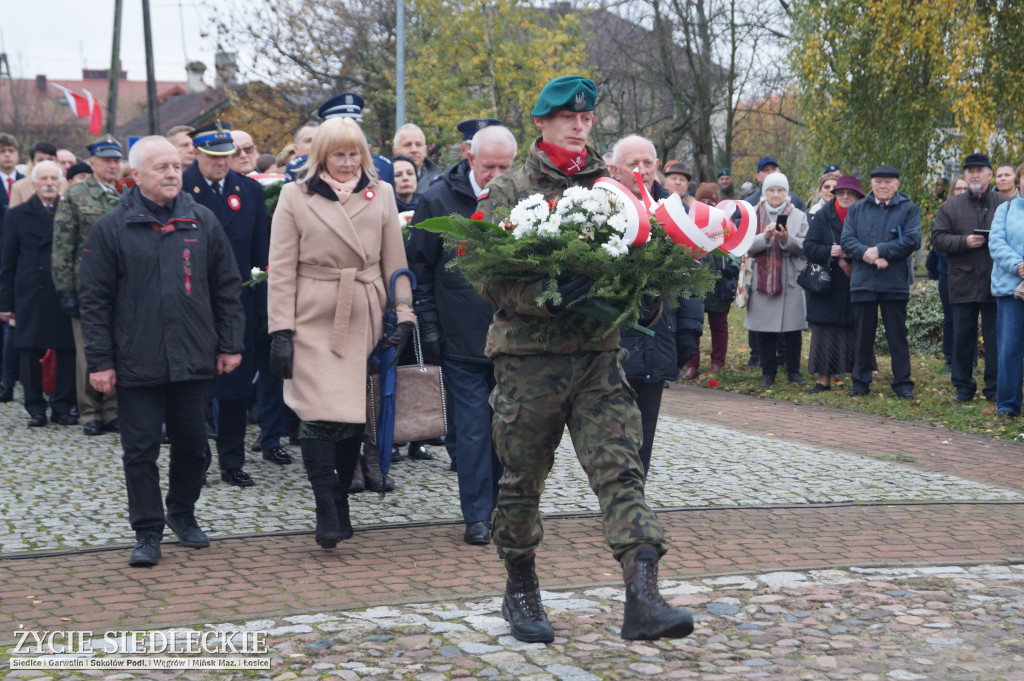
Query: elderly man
{"points": [[881, 233], [181, 137], [238, 204], [569, 379], [27, 295], [454, 321], [24, 189], [726, 188], [677, 180], [677, 330], [410, 141], [961, 232], [78, 210], [160, 339], [243, 161]]}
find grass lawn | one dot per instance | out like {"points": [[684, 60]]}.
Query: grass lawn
{"points": [[933, 389]]}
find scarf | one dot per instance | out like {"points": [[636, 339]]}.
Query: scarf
{"points": [[342, 189], [569, 162], [769, 262], [841, 212]]}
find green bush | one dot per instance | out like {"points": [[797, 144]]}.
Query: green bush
{"points": [[924, 321]]}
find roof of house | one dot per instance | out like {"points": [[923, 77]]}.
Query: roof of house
{"points": [[191, 108]]}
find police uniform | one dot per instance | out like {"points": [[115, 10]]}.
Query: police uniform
{"points": [[77, 211], [350, 105], [240, 208], [569, 380]]}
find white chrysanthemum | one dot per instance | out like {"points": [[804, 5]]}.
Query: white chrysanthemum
{"points": [[551, 226], [529, 212], [524, 230], [618, 222], [254, 272], [615, 246]]}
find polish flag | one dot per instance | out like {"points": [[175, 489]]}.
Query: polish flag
{"points": [[95, 114], [84, 106]]}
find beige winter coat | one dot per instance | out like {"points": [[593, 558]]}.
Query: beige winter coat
{"points": [[329, 270]]}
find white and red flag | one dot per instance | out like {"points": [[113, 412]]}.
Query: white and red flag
{"points": [[84, 106]]}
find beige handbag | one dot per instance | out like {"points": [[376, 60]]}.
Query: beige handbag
{"points": [[420, 407], [1018, 292]]}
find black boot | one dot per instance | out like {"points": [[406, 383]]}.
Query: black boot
{"points": [[346, 461], [372, 475], [318, 458], [358, 483], [648, 617], [522, 608]]}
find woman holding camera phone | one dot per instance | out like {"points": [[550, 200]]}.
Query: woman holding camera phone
{"points": [[776, 304]]}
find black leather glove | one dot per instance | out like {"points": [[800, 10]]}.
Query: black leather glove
{"points": [[686, 346], [398, 338], [68, 299], [570, 291], [430, 339], [282, 353]]}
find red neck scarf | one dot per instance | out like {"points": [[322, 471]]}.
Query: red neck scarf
{"points": [[569, 162], [841, 212]]}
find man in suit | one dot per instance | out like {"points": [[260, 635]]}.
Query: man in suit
{"points": [[8, 176], [24, 189], [237, 201]]}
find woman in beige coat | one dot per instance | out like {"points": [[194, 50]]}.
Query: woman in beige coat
{"points": [[334, 243]]}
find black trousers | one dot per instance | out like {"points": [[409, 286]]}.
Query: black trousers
{"points": [[31, 373], [141, 412], [792, 343], [232, 418], [894, 316], [648, 399], [965, 344]]}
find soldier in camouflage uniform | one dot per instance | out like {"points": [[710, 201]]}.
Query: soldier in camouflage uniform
{"points": [[78, 210], [569, 380]]}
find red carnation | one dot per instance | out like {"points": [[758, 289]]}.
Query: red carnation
{"points": [[462, 248], [712, 383], [479, 215], [552, 204]]}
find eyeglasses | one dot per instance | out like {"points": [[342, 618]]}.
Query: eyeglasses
{"points": [[245, 150]]}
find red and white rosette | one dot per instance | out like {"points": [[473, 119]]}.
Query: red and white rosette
{"points": [[712, 221], [638, 225], [738, 242], [681, 228]]}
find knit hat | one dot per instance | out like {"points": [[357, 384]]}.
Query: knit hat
{"points": [[774, 180], [707, 190]]}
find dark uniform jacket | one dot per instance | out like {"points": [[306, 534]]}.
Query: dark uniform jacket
{"points": [[4, 200], [833, 307], [969, 269], [514, 300], [247, 230], [896, 230], [159, 299], [26, 287], [443, 298]]}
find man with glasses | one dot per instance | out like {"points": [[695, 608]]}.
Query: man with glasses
{"points": [[243, 161]]}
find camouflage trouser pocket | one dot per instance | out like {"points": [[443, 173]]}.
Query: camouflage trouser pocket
{"points": [[505, 408]]}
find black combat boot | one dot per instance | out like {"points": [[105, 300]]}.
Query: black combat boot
{"points": [[318, 458], [648, 617], [346, 461], [372, 475], [522, 608]]}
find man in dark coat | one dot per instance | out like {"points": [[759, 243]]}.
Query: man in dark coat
{"points": [[454, 320], [8, 176], [881, 233], [961, 232], [238, 203], [28, 296], [161, 316]]}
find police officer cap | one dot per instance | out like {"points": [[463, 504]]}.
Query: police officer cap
{"points": [[977, 160], [214, 139], [573, 93], [831, 168], [724, 171], [885, 171], [470, 126], [106, 147], [347, 104], [78, 169], [766, 161]]}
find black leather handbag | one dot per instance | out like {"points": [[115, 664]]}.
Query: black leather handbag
{"points": [[816, 278]]}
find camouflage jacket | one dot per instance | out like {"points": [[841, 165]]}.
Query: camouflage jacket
{"points": [[517, 300], [77, 211]]}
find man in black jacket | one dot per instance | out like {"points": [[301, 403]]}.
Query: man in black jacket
{"points": [[454, 320], [161, 316], [961, 229]]}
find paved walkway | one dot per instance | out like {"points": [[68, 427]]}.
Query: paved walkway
{"points": [[959, 504]]}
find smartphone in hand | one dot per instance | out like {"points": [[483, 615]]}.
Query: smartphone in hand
{"points": [[782, 221]]}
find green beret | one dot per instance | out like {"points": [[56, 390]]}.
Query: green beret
{"points": [[573, 93]]}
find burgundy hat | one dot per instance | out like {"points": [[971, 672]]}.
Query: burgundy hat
{"points": [[848, 182]]}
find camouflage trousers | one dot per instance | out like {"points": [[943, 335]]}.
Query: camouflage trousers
{"points": [[534, 399]]}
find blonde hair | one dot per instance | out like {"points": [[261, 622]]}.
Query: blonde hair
{"points": [[333, 134]]}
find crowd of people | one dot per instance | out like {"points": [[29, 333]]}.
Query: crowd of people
{"points": [[168, 306]]}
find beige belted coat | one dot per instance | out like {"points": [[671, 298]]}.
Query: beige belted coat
{"points": [[330, 265]]}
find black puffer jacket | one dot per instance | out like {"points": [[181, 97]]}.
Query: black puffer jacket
{"points": [[443, 298], [159, 300]]}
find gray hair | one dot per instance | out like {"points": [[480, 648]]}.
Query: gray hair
{"points": [[409, 126], [492, 134], [137, 154], [617, 149], [46, 164]]}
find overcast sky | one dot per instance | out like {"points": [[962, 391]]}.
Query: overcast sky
{"points": [[60, 37]]}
